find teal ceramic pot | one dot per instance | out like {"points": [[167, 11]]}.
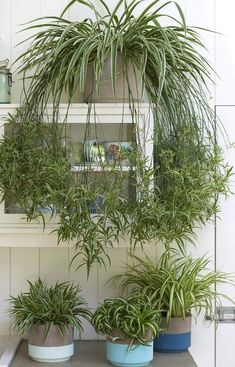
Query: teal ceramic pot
{"points": [[135, 356], [176, 338]]}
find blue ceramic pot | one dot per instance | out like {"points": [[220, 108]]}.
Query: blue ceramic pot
{"points": [[176, 338], [123, 356]]}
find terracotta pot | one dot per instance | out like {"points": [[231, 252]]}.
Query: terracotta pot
{"points": [[55, 348], [176, 337], [105, 94]]}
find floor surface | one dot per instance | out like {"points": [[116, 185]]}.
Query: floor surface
{"points": [[3, 343]]}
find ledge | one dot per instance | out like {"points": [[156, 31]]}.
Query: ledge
{"points": [[8, 348], [92, 354], [110, 112]]}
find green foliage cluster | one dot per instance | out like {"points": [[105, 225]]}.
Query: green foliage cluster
{"points": [[181, 191], [33, 161], [167, 58], [177, 284], [134, 319], [92, 233], [170, 197], [59, 305]]}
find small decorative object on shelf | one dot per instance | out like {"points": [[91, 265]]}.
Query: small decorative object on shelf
{"points": [[5, 82], [93, 154], [118, 152], [76, 153], [93, 151], [96, 205]]}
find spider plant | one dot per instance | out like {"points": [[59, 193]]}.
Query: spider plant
{"points": [[181, 191], [177, 283], [135, 319], [34, 161], [92, 233], [60, 305], [174, 194], [171, 68]]}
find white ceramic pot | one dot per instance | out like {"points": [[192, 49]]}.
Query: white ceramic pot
{"points": [[55, 348]]}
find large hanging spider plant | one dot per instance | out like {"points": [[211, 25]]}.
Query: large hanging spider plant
{"points": [[171, 68], [189, 171]]}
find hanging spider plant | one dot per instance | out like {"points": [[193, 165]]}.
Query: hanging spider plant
{"points": [[188, 173], [181, 191], [171, 69], [34, 162]]}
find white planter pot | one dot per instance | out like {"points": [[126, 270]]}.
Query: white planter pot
{"points": [[51, 354], [56, 348]]}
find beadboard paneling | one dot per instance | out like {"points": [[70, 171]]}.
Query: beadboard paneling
{"points": [[18, 19], [24, 266], [89, 286], [54, 264], [5, 29], [4, 290], [148, 250], [18, 264], [26, 239], [225, 52], [118, 257], [89, 290]]}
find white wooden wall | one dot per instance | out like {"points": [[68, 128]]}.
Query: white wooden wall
{"points": [[51, 263]]}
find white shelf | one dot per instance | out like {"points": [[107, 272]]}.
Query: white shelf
{"points": [[99, 168], [11, 344], [104, 113]]}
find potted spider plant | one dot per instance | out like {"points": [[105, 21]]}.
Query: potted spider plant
{"points": [[49, 315], [130, 325], [178, 284]]}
